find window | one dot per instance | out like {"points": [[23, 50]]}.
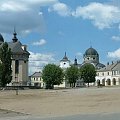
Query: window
{"points": [[108, 73], [16, 66], [102, 74]]}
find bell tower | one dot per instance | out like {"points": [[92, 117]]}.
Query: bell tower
{"points": [[65, 62]]}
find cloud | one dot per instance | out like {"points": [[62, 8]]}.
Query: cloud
{"points": [[40, 42], [24, 14], [115, 54], [61, 9], [102, 15], [116, 38], [79, 54], [38, 60]]}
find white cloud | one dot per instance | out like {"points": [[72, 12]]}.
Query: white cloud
{"points": [[37, 61], [40, 42], [61, 8], [116, 38], [102, 15], [115, 54], [79, 54], [24, 14]]}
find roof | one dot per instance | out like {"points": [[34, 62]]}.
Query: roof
{"points": [[90, 51], [16, 48], [65, 58], [36, 74], [110, 67], [15, 45], [100, 65]]}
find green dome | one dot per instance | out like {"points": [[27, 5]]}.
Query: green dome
{"points": [[91, 51]]}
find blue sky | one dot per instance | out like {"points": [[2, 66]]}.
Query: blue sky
{"points": [[52, 27]]}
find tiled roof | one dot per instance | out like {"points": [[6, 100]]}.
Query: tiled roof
{"points": [[16, 48], [110, 67], [36, 74]]}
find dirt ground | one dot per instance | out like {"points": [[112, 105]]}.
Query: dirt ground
{"points": [[61, 102]]}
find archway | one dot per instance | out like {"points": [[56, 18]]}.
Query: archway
{"points": [[103, 82], [98, 82], [114, 81], [108, 82]]}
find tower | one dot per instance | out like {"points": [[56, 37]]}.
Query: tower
{"points": [[75, 61], [20, 57], [65, 62]]}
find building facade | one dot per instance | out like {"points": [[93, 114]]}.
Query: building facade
{"points": [[20, 57], [36, 80], [109, 75]]}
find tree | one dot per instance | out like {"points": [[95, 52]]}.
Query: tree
{"points": [[5, 65], [72, 75], [88, 73], [52, 75]]}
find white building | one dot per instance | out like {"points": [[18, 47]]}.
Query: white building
{"points": [[36, 80], [109, 75], [65, 62]]}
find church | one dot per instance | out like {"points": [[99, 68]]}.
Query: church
{"points": [[20, 57], [90, 56]]}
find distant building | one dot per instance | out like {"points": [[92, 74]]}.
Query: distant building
{"points": [[20, 57], [36, 80], [65, 62], [109, 75], [91, 56]]}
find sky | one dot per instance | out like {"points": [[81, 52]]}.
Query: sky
{"points": [[50, 28]]}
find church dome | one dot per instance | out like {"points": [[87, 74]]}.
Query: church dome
{"points": [[1, 38], [91, 51]]}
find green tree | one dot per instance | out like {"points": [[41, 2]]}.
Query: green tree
{"points": [[52, 75], [72, 75], [88, 73], [5, 65]]}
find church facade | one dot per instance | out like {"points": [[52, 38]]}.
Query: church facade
{"points": [[20, 57]]}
